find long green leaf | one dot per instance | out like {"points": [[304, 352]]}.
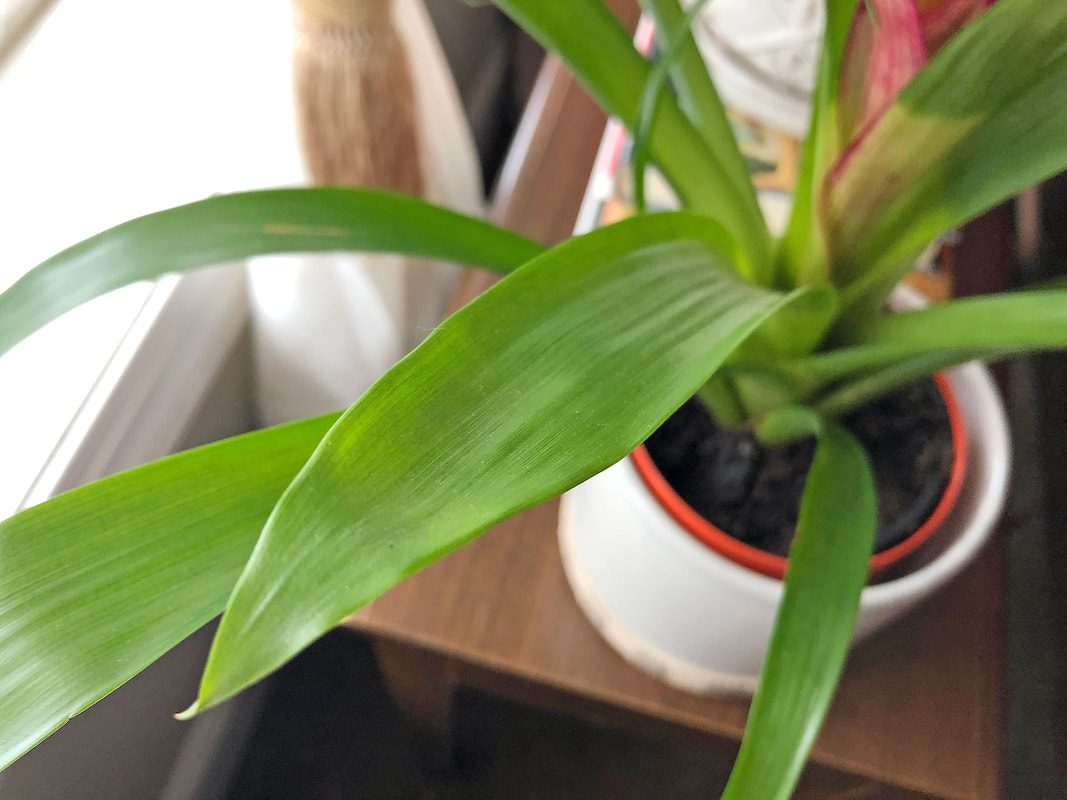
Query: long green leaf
{"points": [[826, 574], [98, 583], [548, 378], [1013, 322], [588, 37], [236, 226], [982, 121], [872, 384]]}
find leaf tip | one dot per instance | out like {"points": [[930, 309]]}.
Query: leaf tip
{"points": [[190, 712], [206, 698]]}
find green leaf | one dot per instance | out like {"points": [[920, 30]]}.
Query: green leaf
{"points": [[839, 17], [1012, 322], [787, 424], [982, 121], [826, 574], [99, 582], [551, 376], [236, 226], [801, 326], [587, 36], [696, 91], [757, 389], [671, 50], [802, 255], [872, 384]]}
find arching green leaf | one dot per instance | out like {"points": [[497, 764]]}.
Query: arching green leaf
{"points": [[98, 583], [236, 226], [826, 574], [552, 375]]}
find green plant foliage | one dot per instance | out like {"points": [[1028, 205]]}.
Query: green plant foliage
{"points": [[982, 121], [678, 42], [98, 583], [802, 253], [558, 371], [230, 227], [827, 571], [696, 91], [1026, 321], [586, 35], [873, 383], [490, 415]]}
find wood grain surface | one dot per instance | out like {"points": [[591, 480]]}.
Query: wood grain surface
{"points": [[919, 706]]}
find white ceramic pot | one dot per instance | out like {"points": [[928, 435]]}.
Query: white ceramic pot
{"points": [[701, 622]]}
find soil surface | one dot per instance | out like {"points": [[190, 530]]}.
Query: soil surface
{"points": [[753, 492]]}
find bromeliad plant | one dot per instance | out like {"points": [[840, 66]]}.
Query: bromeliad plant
{"points": [[926, 113]]}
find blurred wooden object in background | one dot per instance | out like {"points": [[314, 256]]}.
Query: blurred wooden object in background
{"points": [[355, 98], [18, 20]]}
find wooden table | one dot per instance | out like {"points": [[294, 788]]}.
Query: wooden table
{"points": [[918, 712]]}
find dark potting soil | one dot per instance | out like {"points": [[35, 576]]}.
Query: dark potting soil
{"points": [[753, 492]]}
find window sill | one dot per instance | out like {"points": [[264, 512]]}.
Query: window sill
{"points": [[115, 383]]}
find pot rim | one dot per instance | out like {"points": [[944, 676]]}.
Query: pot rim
{"points": [[774, 566]]}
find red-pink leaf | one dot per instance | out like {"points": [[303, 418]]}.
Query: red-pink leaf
{"points": [[981, 121], [883, 53], [941, 19]]}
